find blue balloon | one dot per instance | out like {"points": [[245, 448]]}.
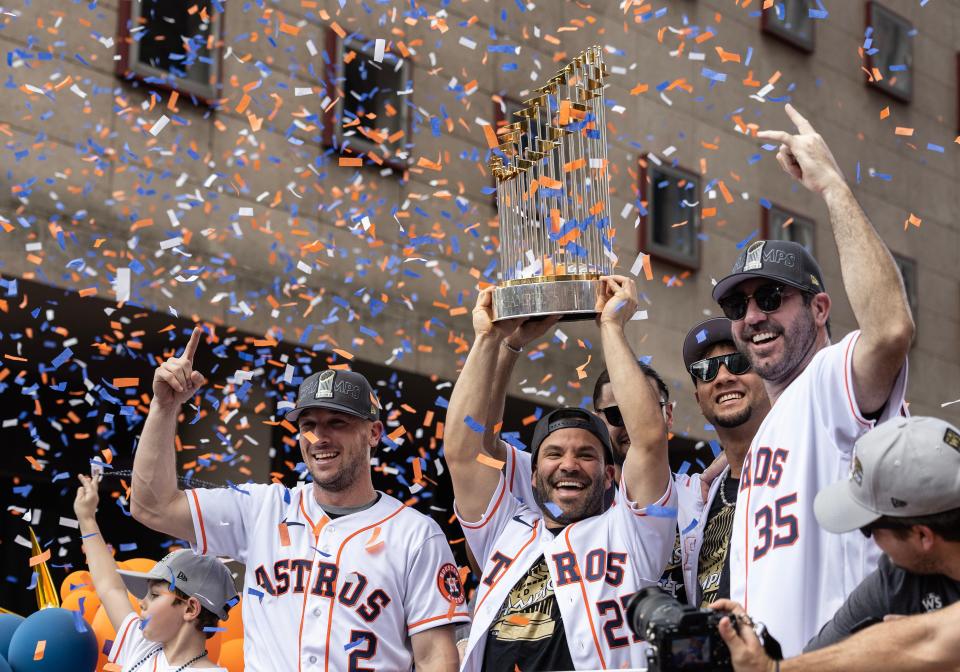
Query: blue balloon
{"points": [[4, 665], [70, 643], [8, 624]]}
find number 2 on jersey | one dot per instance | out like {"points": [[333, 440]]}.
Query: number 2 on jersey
{"points": [[365, 649], [776, 527]]}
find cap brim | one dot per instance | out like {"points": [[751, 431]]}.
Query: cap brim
{"points": [[715, 330], [838, 512], [727, 284], [138, 583], [292, 416]]}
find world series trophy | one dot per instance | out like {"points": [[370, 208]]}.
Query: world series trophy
{"points": [[553, 198]]}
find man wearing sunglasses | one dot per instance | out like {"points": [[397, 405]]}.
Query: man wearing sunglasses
{"points": [[788, 572], [733, 400]]}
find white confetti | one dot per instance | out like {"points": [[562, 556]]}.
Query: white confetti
{"points": [[467, 42], [160, 124], [246, 212], [122, 284], [378, 48]]}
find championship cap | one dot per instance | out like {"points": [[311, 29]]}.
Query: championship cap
{"points": [[704, 336], [200, 576], [344, 391], [781, 260], [905, 467], [571, 417]]}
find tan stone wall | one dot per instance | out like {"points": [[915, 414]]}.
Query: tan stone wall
{"points": [[829, 89]]}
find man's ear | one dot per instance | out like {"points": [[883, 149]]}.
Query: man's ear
{"points": [[820, 305], [926, 536], [376, 431]]}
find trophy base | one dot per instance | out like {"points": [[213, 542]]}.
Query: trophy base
{"points": [[573, 299]]}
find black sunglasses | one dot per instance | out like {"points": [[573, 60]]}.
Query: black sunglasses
{"points": [[615, 418], [769, 298], [707, 369]]}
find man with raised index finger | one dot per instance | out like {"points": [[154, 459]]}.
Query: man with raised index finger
{"points": [[788, 572], [339, 576]]}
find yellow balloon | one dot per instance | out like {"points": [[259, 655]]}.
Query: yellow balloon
{"points": [[78, 580], [231, 655]]}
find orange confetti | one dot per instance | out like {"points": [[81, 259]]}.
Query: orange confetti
{"points": [[912, 219], [41, 647], [126, 382], [36, 560], [884, 113], [490, 135], [488, 461], [349, 161], [903, 130], [284, 534]]}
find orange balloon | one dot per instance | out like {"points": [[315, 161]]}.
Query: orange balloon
{"points": [[75, 581], [137, 564], [233, 624], [231, 655], [91, 603]]}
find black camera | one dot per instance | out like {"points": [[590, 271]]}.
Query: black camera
{"points": [[682, 637]]}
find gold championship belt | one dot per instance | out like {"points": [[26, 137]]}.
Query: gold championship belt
{"points": [[553, 197]]}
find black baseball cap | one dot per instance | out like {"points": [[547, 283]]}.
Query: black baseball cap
{"points": [[337, 390], [704, 336], [571, 417], [781, 260]]}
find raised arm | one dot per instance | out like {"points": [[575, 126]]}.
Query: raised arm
{"points": [[468, 413], [155, 499], [646, 470], [870, 276], [526, 332], [100, 563]]}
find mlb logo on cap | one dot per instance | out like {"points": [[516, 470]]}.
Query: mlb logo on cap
{"points": [[336, 390]]}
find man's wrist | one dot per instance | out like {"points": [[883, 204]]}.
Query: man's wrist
{"points": [[836, 190]]}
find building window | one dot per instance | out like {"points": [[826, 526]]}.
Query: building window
{"points": [[371, 116], [670, 223], [790, 21], [172, 44], [781, 224], [908, 271], [889, 52]]}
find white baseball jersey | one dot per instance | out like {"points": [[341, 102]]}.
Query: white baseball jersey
{"points": [[691, 509], [595, 566], [130, 647], [692, 514], [787, 571], [329, 594]]}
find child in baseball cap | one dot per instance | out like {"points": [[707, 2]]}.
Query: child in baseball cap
{"points": [[182, 598]]}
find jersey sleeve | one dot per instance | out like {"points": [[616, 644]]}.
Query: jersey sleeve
{"points": [[434, 593], [517, 470], [129, 644], [866, 605], [837, 401], [222, 517], [482, 534], [650, 531]]}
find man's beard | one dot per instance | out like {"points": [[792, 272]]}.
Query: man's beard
{"points": [[797, 343], [591, 505], [343, 479], [732, 421]]}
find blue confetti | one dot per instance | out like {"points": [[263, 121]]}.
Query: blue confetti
{"points": [[661, 511], [693, 524]]}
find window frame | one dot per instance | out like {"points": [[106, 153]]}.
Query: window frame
{"points": [[873, 7], [128, 68], [785, 35], [333, 131], [766, 223], [646, 193]]}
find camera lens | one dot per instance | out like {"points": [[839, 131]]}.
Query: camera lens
{"points": [[652, 605]]}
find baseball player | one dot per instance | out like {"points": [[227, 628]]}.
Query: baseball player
{"points": [[732, 399], [338, 576], [786, 571], [558, 571]]}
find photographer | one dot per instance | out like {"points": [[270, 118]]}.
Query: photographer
{"points": [[924, 643], [904, 490]]}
